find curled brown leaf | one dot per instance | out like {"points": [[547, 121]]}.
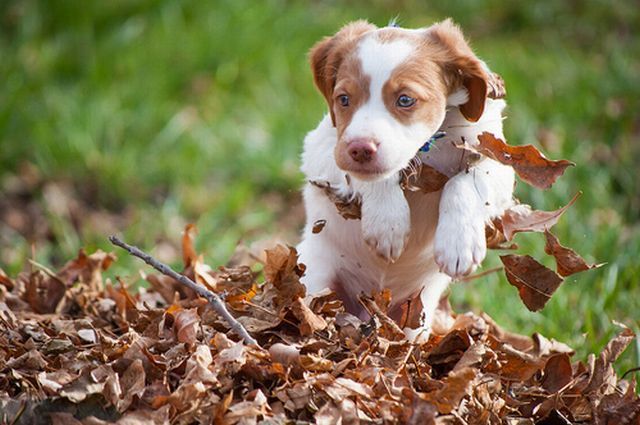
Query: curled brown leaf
{"points": [[283, 271], [422, 177], [567, 260], [535, 282], [527, 161], [349, 207], [522, 218]]}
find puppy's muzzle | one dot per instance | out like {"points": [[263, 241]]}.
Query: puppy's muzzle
{"points": [[362, 150]]}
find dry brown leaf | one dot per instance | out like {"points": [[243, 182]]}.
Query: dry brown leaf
{"points": [[203, 274], [474, 356], [527, 161], [543, 347], [567, 260], [513, 364], [132, 383], [349, 207], [87, 268], [32, 360], [185, 325], [5, 280], [239, 301], [283, 271], [449, 350], [382, 299], [557, 373], [314, 363], [412, 313], [535, 282], [145, 416], [81, 388], [52, 382], [523, 219], [198, 369], [377, 306], [422, 177], [247, 411], [44, 292], [318, 225], [604, 379], [189, 254], [309, 321], [235, 354], [457, 385], [495, 237]]}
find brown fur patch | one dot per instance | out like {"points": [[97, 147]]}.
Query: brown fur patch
{"points": [[327, 55], [446, 43], [421, 79], [351, 81]]}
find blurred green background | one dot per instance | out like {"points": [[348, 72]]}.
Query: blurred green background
{"points": [[139, 116]]}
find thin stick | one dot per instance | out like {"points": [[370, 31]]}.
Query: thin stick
{"points": [[635, 369], [481, 274], [370, 305], [214, 300]]}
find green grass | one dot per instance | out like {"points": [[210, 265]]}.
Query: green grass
{"points": [[163, 112]]}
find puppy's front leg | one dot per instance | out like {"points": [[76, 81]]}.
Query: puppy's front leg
{"points": [[468, 201], [385, 217]]}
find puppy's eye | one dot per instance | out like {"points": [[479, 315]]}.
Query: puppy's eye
{"points": [[344, 100], [405, 101]]}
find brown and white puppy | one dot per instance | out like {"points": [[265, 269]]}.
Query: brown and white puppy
{"points": [[388, 91]]}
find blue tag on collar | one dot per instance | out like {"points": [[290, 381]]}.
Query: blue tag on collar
{"points": [[432, 140]]}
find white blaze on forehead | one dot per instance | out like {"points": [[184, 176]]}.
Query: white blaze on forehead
{"points": [[379, 59], [397, 142]]}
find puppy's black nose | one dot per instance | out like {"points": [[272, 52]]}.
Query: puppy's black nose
{"points": [[362, 150]]}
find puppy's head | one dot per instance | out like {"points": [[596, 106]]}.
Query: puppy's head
{"points": [[387, 90]]}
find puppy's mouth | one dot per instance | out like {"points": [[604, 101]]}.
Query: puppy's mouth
{"points": [[372, 172], [367, 174]]}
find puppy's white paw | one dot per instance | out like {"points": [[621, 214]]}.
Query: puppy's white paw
{"points": [[386, 229], [460, 244]]}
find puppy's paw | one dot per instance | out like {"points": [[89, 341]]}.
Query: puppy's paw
{"points": [[460, 245], [386, 230]]}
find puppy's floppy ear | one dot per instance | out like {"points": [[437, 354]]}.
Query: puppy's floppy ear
{"points": [[461, 67], [327, 54]]}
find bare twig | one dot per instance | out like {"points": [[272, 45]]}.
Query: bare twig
{"points": [[635, 369], [481, 274], [370, 305], [214, 300]]}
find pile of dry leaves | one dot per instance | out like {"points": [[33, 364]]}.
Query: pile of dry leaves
{"points": [[75, 349]]}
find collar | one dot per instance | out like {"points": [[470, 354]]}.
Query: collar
{"points": [[437, 135]]}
